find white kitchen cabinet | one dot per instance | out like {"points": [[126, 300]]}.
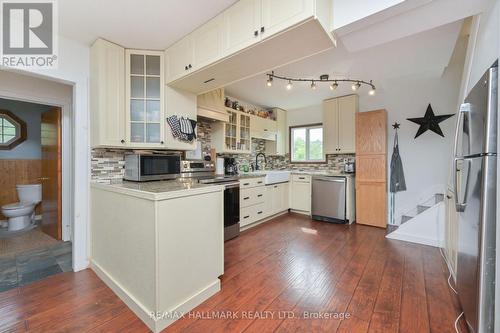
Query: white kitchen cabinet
{"points": [[277, 198], [253, 199], [144, 91], [233, 136], [242, 23], [278, 15], [339, 125], [207, 42], [278, 147], [211, 105], [300, 194], [182, 104], [178, 58], [107, 94], [263, 128]]}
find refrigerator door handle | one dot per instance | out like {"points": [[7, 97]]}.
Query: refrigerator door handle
{"points": [[460, 205], [464, 108]]}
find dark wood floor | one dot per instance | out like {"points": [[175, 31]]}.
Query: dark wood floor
{"points": [[279, 270]]}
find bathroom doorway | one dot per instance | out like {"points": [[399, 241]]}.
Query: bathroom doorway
{"points": [[33, 244]]}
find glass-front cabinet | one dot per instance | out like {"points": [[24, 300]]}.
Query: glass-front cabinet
{"points": [[145, 102], [233, 136]]}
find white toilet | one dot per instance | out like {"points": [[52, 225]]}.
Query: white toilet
{"points": [[21, 214]]}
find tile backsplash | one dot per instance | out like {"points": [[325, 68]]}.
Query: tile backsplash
{"points": [[107, 164]]}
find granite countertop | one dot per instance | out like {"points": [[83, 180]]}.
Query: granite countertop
{"points": [[160, 190], [322, 173]]}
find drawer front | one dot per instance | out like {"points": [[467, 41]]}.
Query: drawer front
{"points": [[249, 215], [252, 196], [301, 178], [251, 182]]}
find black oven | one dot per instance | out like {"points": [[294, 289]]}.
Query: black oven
{"points": [[151, 166], [231, 210]]}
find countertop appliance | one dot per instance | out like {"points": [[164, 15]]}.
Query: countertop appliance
{"points": [[143, 167], [349, 167], [329, 198], [197, 168], [230, 167], [475, 165]]}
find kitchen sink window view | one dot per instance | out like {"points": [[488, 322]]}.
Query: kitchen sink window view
{"points": [[250, 166]]}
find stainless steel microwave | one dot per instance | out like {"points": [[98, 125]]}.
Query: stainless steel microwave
{"points": [[144, 167]]}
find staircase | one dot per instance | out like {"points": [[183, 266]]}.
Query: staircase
{"points": [[422, 224]]}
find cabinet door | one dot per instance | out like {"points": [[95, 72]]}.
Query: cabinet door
{"points": [[285, 196], [330, 126], [241, 25], [207, 42], [275, 199], [178, 58], [278, 15], [244, 141], [145, 109], [107, 91], [347, 108], [301, 196], [371, 204]]}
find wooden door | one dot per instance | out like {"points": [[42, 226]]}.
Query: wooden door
{"points": [[51, 173], [242, 24], [330, 126], [277, 15], [371, 168], [347, 108]]}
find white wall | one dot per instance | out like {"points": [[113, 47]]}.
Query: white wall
{"points": [[74, 70], [427, 159]]}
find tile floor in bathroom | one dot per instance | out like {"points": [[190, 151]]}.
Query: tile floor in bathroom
{"points": [[34, 265]]}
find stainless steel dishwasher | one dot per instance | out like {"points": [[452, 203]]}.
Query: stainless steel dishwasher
{"points": [[329, 198]]}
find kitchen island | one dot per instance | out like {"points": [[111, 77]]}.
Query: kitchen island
{"points": [[158, 245]]}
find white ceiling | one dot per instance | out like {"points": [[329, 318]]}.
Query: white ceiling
{"points": [[420, 55], [141, 24]]}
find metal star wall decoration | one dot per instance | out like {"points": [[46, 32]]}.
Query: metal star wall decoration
{"points": [[429, 122]]}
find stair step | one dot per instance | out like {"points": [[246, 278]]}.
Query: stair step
{"points": [[439, 197], [391, 228], [421, 208], [405, 218]]}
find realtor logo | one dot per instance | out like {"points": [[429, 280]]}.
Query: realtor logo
{"points": [[29, 37]]}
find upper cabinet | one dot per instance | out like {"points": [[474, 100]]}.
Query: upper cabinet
{"points": [[144, 98], [233, 136], [240, 41], [278, 15], [339, 125], [242, 22], [130, 101], [107, 94], [278, 147], [263, 128]]}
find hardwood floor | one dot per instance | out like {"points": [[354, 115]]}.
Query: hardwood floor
{"points": [[279, 272]]}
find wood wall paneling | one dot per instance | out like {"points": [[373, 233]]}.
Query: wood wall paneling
{"points": [[14, 172], [371, 168]]}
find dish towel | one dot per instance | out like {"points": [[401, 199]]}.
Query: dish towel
{"points": [[183, 129]]}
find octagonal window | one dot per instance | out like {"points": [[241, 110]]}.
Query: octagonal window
{"points": [[12, 130]]}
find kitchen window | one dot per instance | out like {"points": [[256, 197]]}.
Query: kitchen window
{"points": [[306, 144]]}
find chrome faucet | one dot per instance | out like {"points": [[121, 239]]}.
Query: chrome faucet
{"points": [[256, 160]]}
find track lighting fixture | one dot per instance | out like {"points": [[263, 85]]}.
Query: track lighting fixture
{"points": [[356, 84]]}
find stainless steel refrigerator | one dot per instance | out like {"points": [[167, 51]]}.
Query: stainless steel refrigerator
{"points": [[475, 199]]}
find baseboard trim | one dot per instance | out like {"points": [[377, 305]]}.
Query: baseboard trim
{"points": [[155, 325], [140, 310]]}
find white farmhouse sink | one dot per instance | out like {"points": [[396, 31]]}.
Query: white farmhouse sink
{"points": [[275, 176]]}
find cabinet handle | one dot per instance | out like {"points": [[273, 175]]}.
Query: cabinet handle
{"points": [[122, 141], [245, 217], [275, 186], [246, 198], [256, 33], [259, 212], [185, 68], [260, 182], [246, 184], [262, 29], [259, 195], [302, 177], [190, 66], [161, 142]]}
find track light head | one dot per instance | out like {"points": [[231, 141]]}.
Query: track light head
{"points": [[270, 81], [289, 86], [355, 86], [334, 86], [372, 91], [313, 85]]}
